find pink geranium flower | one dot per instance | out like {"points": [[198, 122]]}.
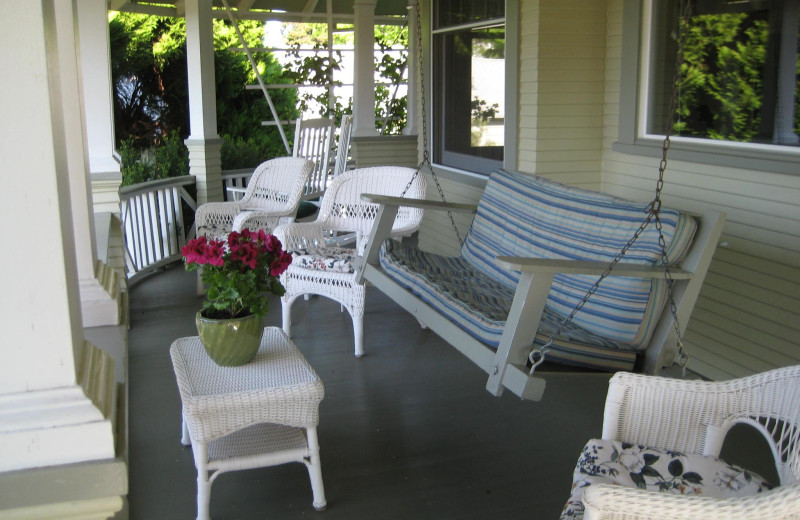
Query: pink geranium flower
{"points": [[238, 272]]}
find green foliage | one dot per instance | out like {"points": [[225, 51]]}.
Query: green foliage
{"points": [[148, 62], [317, 69], [721, 89], [169, 158]]}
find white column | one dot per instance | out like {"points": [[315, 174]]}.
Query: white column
{"points": [[204, 144], [364, 76], [46, 417], [95, 58], [89, 152], [412, 105]]}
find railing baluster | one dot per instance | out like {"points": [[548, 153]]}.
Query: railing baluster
{"points": [[153, 223]]}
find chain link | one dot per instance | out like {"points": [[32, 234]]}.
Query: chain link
{"points": [[537, 354]]}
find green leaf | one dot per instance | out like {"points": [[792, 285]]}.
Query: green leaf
{"points": [[638, 479], [650, 459], [692, 477], [675, 468], [650, 471]]}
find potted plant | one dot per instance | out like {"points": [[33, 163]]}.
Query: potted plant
{"points": [[238, 274]]}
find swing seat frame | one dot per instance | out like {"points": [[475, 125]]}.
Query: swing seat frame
{"points": [[506, 363]]}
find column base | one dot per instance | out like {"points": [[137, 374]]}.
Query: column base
{"points": [[205, 163], [101, 297]]}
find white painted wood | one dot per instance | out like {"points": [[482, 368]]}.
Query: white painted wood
{"points": [[364, 74], [97, 92], [204, 144]]}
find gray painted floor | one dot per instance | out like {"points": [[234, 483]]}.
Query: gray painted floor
{"points": [[406, 432]]}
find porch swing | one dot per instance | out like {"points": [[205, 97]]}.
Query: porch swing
{"points": [[527, 286]]}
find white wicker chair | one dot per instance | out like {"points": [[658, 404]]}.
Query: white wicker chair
{"points": [[272, 197], [326, 269], [689, 420]]}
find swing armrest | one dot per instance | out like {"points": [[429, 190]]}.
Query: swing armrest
{"points": [[547, 265], [419, 203], [388, 208]]}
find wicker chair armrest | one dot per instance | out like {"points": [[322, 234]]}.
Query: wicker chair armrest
{"points": [[299, 235], [668, 413], [228, 209], [266, 220], [609, 502]]}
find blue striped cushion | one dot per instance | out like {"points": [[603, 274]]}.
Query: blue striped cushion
{"points": [[480, 305], [527, 215]]}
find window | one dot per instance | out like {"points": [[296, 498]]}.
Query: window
{"points": [[737, 98], [469, 84]]}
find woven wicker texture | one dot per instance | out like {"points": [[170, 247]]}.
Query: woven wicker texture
{"points": [[256, 440], [272, 196], [694, 417], [343, 211], [278, 386]]}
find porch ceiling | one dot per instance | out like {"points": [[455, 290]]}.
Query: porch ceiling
{"points": [[284, 10]]}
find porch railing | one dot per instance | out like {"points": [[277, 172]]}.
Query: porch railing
{"points": [[235, 179], [157, 219]]}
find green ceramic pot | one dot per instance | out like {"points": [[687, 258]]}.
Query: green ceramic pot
{"points": [[230, 342]]}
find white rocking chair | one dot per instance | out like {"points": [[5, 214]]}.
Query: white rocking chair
{"points": [[661, 440], [322, 268], [313, 139]]}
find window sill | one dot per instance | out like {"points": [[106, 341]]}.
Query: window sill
{"points": [[767, 158]]}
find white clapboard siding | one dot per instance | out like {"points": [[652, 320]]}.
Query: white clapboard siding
{"points": [[561, 71], [384, 151]]}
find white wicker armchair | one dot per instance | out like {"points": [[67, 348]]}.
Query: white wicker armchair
{"points": [[684, 424], [319, 266], [272, 196]]}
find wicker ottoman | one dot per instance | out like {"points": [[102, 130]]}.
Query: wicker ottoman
{"points": [[260, 414]]}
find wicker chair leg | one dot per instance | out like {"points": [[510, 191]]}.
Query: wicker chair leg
{"points": [[315, 471], [203, 483], [286, 312], [358, 334], [186, 440]]}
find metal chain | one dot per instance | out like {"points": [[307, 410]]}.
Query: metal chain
{"points": [[426, 160], [537, 355]]}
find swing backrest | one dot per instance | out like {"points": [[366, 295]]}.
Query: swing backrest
{"points": [[530, 216]]}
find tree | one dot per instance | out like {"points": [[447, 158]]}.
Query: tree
{"points": [[151, 105]]}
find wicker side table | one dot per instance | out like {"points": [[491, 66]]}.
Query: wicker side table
{"points": [[260, 414]]}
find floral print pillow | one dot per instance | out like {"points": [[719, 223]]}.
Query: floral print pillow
{"points": [[335, 259], [613, 462]]}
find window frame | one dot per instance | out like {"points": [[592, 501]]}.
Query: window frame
{"points": [[510, 96], [633, 86]]}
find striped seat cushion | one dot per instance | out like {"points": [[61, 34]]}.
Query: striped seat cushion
{"points": [[529, 216], [480, 305]]}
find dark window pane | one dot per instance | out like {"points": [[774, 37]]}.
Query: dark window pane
{"points": [[457, 12], [469, 88], [739, 78]]}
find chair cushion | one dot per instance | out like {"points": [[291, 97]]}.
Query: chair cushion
{"points": [[479, 304], [530, 216], [614, 462], [332, 259]]}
